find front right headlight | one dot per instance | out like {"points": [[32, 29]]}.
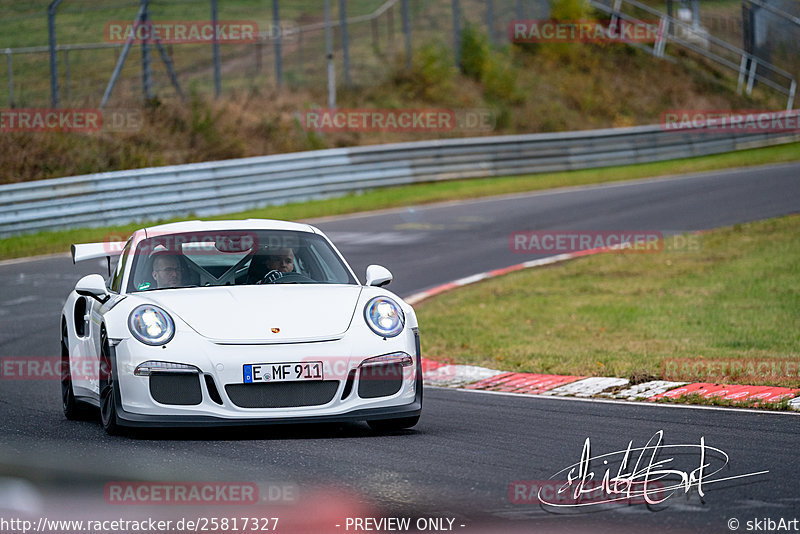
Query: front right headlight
{"points": [[151, 325], [384, 317]]}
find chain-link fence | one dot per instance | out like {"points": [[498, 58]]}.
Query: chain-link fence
{"points": [[370, 39], [772, 32], [768, 29], [289, 47]]}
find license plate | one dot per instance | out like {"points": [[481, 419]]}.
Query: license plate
{"points": [[282, 372]]}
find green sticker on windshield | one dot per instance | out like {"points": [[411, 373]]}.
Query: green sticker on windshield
{"points": [[144, 285]]}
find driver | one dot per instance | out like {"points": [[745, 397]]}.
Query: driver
{"points": [[167, 271], [278, 263]]}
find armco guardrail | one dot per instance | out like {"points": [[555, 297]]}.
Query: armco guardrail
{"points": [[212, 188]]}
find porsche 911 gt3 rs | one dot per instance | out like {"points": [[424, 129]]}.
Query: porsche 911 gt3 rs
{"points": [[236, 323]]}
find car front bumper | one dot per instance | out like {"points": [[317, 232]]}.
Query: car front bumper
{"points": [[136, 406]]}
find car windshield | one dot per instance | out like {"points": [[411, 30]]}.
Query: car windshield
{"points": [[244, 257]]}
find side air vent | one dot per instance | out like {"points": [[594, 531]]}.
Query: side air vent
{"points": [[348, 386], [79, 317], [213, 392]]}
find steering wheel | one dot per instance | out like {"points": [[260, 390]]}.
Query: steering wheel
{"points": [[276, 277]]}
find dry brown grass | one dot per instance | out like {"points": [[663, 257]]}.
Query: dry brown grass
{"points": [[533, 90]]}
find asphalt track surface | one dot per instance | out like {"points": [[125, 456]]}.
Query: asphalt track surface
{"points": [[469, 447]]}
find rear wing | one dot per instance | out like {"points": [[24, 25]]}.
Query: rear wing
{"points": [[90, 251]]}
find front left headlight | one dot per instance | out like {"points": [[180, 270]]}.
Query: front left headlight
{"points": [[384, 317], [151, 325]]}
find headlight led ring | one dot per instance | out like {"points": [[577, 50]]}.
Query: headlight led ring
{"points": [[384, 317], [151, 325]]}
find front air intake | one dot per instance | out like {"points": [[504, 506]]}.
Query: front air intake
{"points": [[282, 394], [380, 380], [182, 389]]}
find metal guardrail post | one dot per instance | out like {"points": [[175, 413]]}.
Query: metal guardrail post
{"points": [[751, 77], [792, 92], [661, 38], [614, 17], [742, 71]]}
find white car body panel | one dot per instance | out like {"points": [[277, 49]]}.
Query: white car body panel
{"points": [[303, 313], [219, 330]]}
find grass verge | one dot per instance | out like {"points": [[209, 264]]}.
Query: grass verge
{"points": [[735, 299], [59, 241]]}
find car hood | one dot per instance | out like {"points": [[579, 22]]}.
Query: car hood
{"points": [[263, 314]]}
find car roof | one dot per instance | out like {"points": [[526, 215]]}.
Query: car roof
{"points": [[243, 224]]}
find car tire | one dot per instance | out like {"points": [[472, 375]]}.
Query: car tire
{"points": [[74, 410], [108, 388], [400, 423]]}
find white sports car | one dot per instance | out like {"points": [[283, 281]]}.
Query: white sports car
{"points": [[236, 322]]}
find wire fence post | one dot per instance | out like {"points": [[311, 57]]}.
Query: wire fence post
{"points": [[407, 32], [376, 45], [51, 30], [490, 20], [147, 81], [10, 79], [173, 78], [300, 52], [457, 32], [669, 14], [390, 28], [121, 60], [66, 73], [345, 44], [329, 57], [278, 35], [519, 9], [215, 48]]}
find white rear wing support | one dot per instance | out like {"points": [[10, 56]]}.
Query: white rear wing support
{"points": [[90, 251]]}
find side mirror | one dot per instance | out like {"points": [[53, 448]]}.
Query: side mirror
{"points": [[378, 276], [94, 286]]}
